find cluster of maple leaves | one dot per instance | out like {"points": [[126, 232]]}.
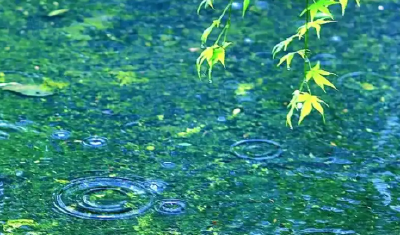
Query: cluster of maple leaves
{"points": [[303, 100]]}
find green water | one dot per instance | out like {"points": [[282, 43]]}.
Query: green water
{"points": [[341, 177]]}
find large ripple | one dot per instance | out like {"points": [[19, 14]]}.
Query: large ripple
{"points": [[103, 198]]}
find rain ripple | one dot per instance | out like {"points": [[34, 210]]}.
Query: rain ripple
{"points": [[103, 198], [256, 149]]}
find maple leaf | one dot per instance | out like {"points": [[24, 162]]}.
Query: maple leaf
{"points": [[314, 24], [282, 45], [318, 75], [309, 102], [319, 6], [289, 57], [344, 5], [205, 3], [292, 105], [212, 55]]}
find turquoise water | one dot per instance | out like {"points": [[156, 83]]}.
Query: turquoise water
{"points": [[163, 154]]}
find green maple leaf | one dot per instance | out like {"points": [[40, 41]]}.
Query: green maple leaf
{"points": [[319, 6], [344, 5], [314, 24], [205, 3], [282, 45], [212, 55], [292, 105], [289, 57], [318, 75], [309, 102]]}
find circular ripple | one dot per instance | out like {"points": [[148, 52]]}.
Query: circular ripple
{"points": [[95, 142], [171, 207], [103, 198], [256, 149], [60, 135], [168, 165]]}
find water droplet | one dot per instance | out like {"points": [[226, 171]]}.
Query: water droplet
{"points": [[237, 5], [157, 186]]}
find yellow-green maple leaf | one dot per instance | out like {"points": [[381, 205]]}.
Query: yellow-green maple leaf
{"points": [[292, 105], [318, 75], [205, 3], [289, 57], [344, 5], [309, 102], [319, 6], [314, 24], [282, 45], [212, 55]]}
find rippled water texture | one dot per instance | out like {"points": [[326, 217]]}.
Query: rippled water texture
{"points": [[133, 142]]}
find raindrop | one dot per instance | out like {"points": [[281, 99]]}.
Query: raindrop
{"points": [[60, 135], [256, 149], [156, 186], [248, 40], [95, 142], [171, 207], [237, 5], [103, 198]]}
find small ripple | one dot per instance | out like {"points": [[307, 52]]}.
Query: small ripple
{"points": [[171, 207], [60, 135], [168, 165], [24, 122], [103, 198], [326, 230], [95, 142], [256, 149], [4, 135], [331, 208]]}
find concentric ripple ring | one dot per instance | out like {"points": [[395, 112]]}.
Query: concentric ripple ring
{"points": [[95, 142], [277, 151], [171, 207], [60, 135], [103, 198]]}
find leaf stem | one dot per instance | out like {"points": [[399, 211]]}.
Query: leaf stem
{"points": [[228, 23], [306, 60]]}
